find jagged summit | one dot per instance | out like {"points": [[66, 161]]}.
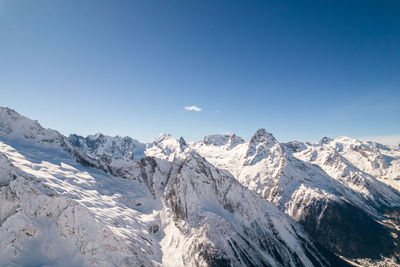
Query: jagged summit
{"points": [[182, 142], [261, 135], [166, 146], [97, 135], [162, 137], [262, 145]]}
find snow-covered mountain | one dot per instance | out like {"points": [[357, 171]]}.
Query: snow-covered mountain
{"points": [[343, 192], [113, 201], [92, 202], [102, 146]]}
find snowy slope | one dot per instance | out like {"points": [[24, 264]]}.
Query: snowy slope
{"points": [[107, 201], [53, 209]]}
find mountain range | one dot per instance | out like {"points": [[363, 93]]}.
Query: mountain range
{"points": [[222, 201]]}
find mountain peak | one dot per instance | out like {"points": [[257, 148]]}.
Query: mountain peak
{"points": [[182, 142], [15, 126], [163, 137], [261, 131], [167, 142], [95, 136], [9, 116], [325, 140], [261, 135], [8, 110], [262, 145]]}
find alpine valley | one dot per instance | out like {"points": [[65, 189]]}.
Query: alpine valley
{"points": [[222, 201]]}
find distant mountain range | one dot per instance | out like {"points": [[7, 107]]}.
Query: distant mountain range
{"points": [[114, 201]]}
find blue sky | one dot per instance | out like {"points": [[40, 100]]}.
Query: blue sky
{"points": [[300, 69]]}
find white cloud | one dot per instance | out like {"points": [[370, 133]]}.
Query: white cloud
{"points": [[193, 108], [385, 139]]}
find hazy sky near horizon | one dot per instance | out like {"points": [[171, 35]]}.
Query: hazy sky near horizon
{"points": [[300, 69]]}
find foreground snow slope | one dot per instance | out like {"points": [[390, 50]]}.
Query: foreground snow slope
{"points": [[101, 201], [62, 210]]}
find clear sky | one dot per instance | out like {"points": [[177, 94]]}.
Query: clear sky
{"points": [[300, 69]]}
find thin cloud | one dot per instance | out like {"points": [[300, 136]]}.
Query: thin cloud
{"points": [[193, 108]]}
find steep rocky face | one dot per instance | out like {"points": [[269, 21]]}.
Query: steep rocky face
{"points": [[347, 230], [319, 192]]}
